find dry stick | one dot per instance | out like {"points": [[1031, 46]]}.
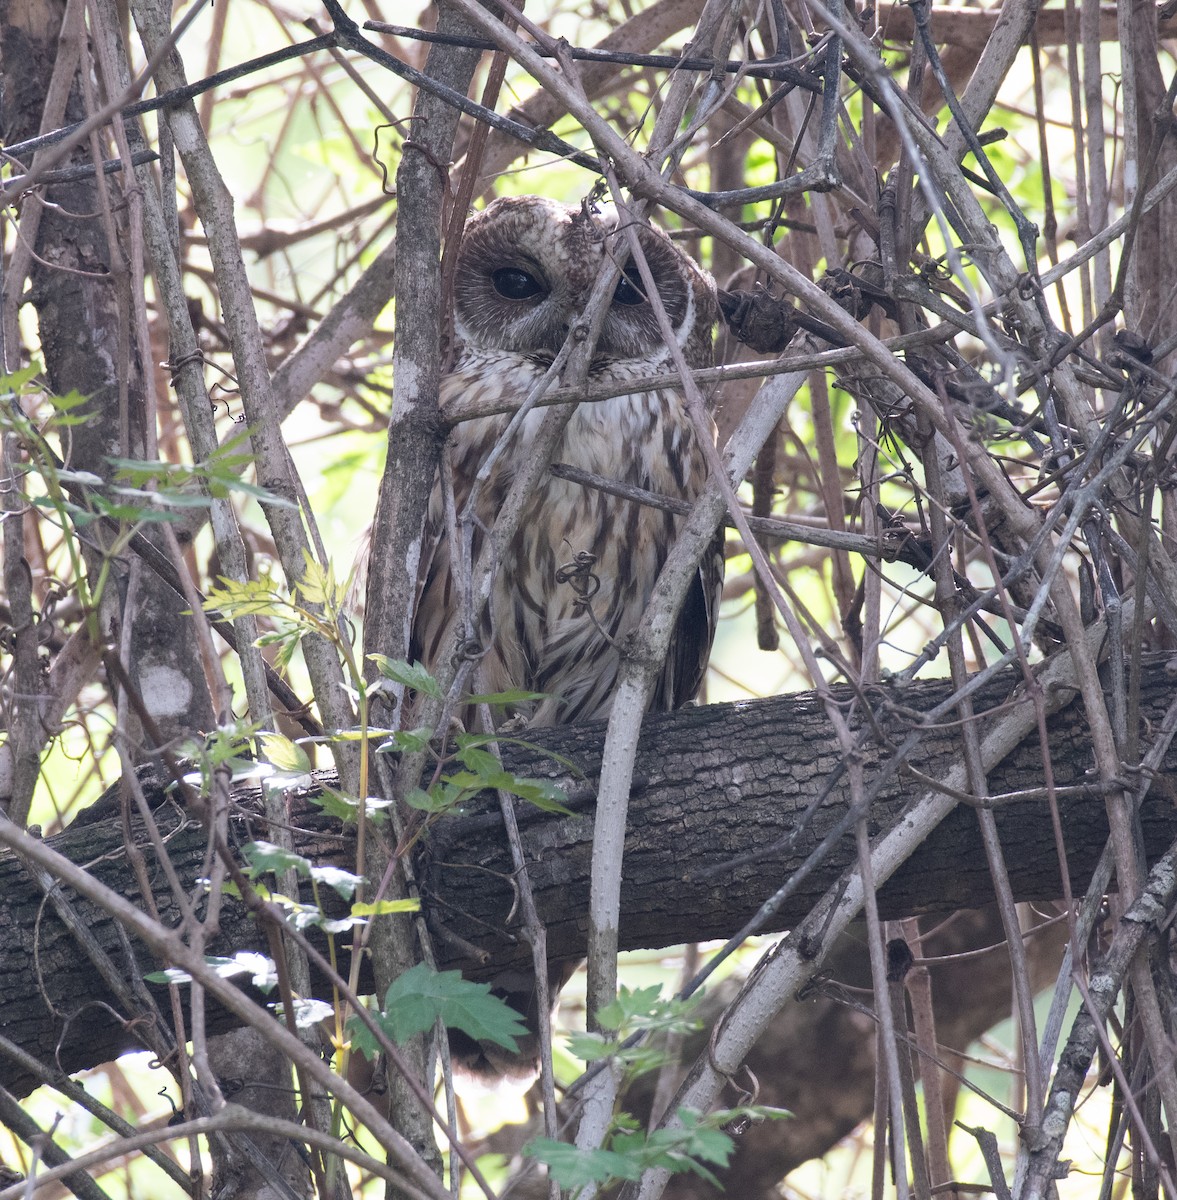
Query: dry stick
{"points": [[174, 96], [21, 756], [650, 646], [414, 446], [1144, 992], [75, 1093], [1079, 157], [890, 544], [887, 771], [795, 960], [994, 262], [127, 264], [894, 764], [791, 361], [170, 946], [347, 33], [764, 69], [640, 665], [240, 635], [144, 214], [126, 986], [637, 668], [20, 260], [22, 753], [57, 145], [1001, 48], [325, 670], [1128, 1091], [604, 899], [888, 1042], [790, 619], [231, 1119], [536, 935], [1092, 120], [414, 433], [1146, 917], [1027, 233], [978, 786], [215, 207], [268, 913], [880, 1121], [1050, 227], [643, 181], [899, 961], [919, 989], [45, 1148]]}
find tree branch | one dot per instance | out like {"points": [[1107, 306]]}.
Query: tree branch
{"points": [[713, 784]]}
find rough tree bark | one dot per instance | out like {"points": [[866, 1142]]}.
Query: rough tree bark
{"points": [[717, 783]]}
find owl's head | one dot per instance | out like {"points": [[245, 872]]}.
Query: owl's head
{"points": [[527, 266]]}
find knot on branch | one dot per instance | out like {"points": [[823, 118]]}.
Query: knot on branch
{"points": [[758, 319], [858, 292]]}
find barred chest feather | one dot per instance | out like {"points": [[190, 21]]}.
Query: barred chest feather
{"points": [[539, 635]]}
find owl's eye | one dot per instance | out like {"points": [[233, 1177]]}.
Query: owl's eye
{"points": [[629, 288], [514, 284]]}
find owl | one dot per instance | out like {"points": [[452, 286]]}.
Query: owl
{"points": [[579, 572]]}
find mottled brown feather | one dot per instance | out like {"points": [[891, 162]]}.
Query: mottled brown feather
{"points": [[534, 638]]}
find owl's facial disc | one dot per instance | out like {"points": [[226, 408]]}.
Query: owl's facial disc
{"points": [[527, 266]]}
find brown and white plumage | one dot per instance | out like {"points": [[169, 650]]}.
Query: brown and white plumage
{"points": [[524, 271]]}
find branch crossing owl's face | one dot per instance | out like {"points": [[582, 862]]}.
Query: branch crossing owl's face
{"points": [[527, 266], [524, 273]]}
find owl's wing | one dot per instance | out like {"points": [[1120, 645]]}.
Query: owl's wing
{"points": [[432, 542], [690, 644], [438, 600], [435, 601]]}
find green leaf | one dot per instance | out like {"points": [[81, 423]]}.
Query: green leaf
{"points": [[572, 1167], [300, 916], [319, 585], [340, 924], [285, 755], [559, 759], [307, 1012], [631, 1004], [420, 996], [411, 675], [131, 513], [346, 808], [546, 795], [482, 762], [18, 380], [464, 781], [85, 478], [515, 696], [420, 799], [380, 908], [363, 1040], [244, 962], [265, 856], [335, 804], [344, 882], [407, 741], [590, 1047]]}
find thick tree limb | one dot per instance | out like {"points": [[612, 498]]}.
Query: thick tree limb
{"points": [[714, 784]]}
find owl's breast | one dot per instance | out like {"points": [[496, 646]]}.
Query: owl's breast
{"points": [[542, 636]]}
